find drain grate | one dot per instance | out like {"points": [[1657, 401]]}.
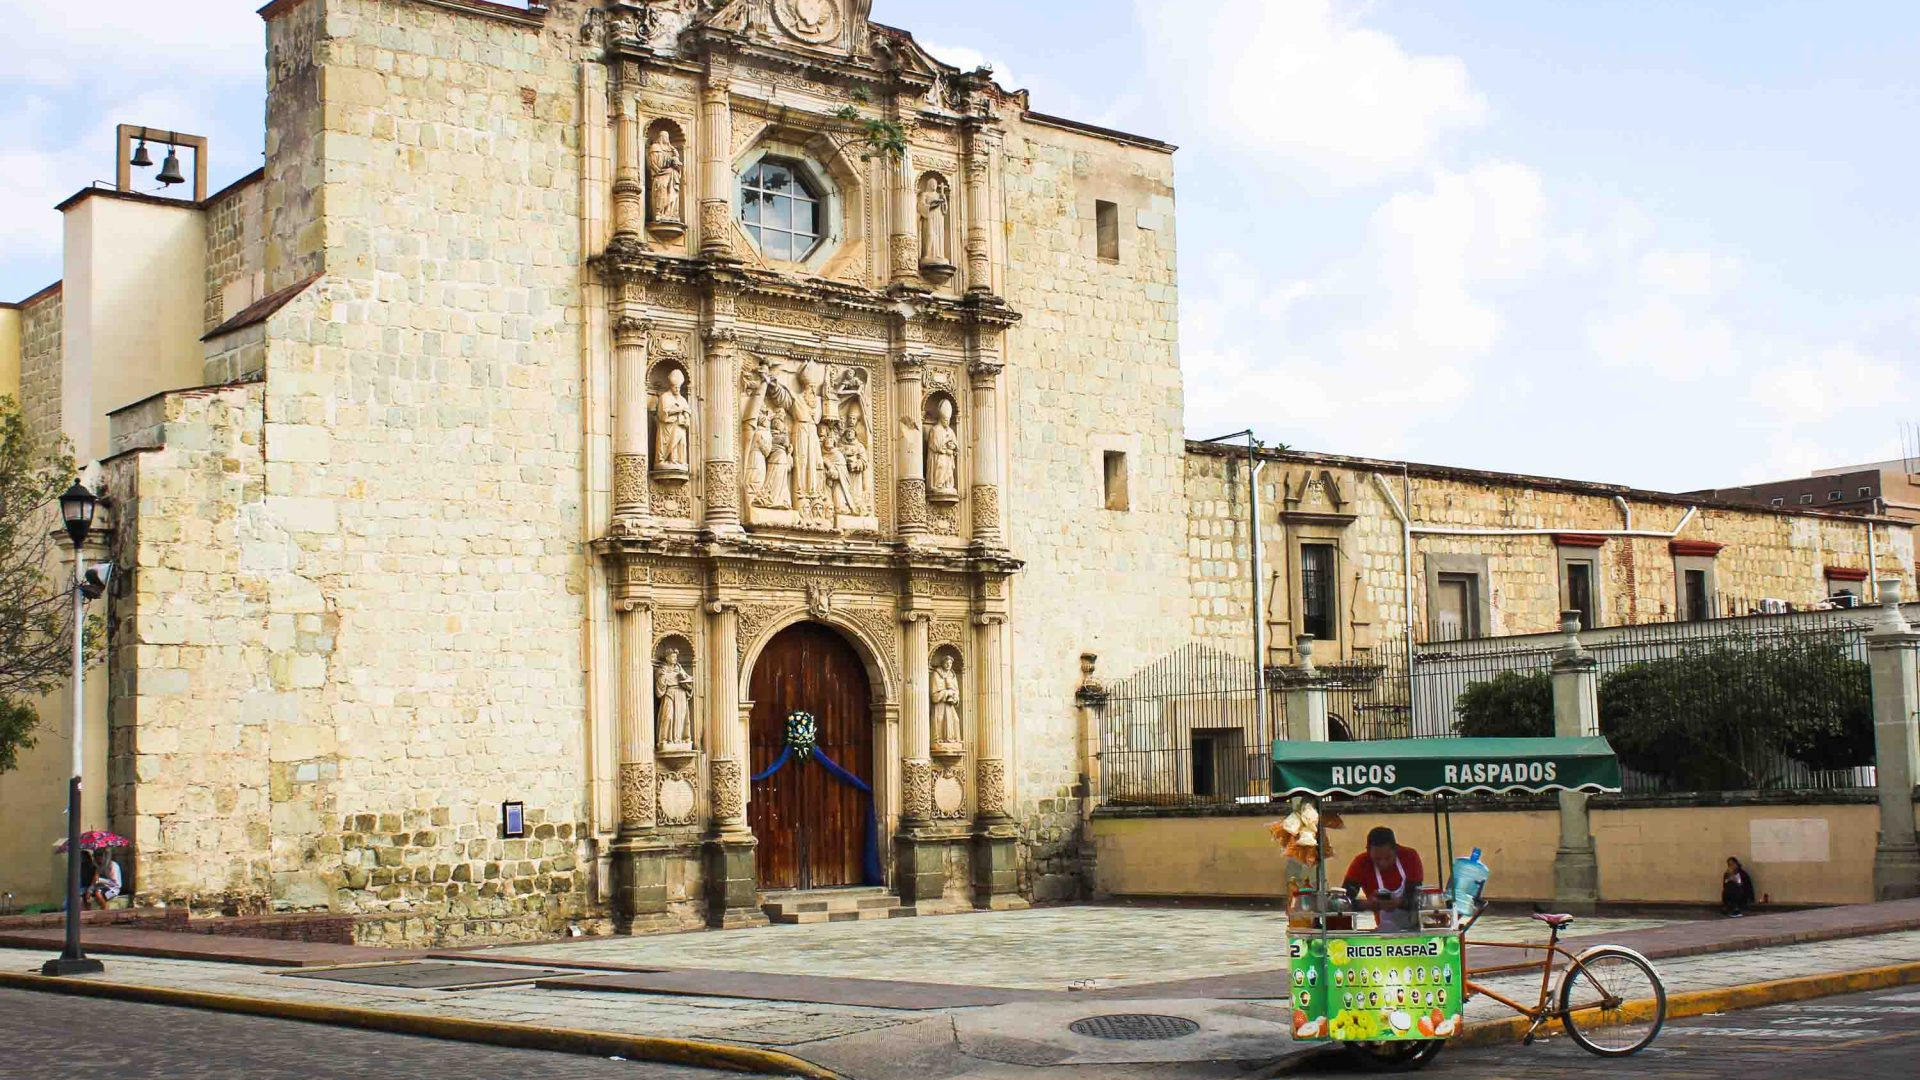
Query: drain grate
{"points": [[1134, 1026], [419, 976]]}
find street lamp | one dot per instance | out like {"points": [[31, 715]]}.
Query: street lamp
{"points": [[76, 512]]}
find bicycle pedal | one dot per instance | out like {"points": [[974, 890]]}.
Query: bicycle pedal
{"points": [[1527, 1040]]}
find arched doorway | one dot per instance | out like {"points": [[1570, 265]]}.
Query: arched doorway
{"points": [[811, 826]]}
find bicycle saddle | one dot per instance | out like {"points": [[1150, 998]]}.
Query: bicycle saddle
{"points": [[1555, 921]]}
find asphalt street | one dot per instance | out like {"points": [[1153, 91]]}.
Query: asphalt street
{"points": [[1873, 1036], [44, 1036]]}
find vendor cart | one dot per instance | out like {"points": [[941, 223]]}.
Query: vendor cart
{"points": [[1394, 997]]}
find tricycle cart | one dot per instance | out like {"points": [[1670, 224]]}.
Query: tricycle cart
{"points": [[1394, 997]]}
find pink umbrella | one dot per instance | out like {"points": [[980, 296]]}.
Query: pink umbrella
{"points": [[97, 839]]}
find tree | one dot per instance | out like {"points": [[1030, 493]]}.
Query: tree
{"points": [[1509, 705], [1732, 715], [36, 617]]}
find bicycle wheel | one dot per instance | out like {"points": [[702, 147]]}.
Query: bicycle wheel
{"points": [[1395, 1056], [1612, 1002]]}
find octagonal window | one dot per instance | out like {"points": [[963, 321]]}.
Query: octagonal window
{"points": [[780, 208]]}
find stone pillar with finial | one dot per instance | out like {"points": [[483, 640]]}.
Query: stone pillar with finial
{"points": [[1893, 650], [1576, 714]]}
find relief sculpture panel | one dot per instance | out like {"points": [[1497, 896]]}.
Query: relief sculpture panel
{"points": [[807, 446]]}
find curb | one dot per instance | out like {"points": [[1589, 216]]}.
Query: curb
{"points": [[694, 1052], [1718, 1000]]}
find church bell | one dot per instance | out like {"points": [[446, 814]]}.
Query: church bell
{"points": [[170, 169], [141, 159]]}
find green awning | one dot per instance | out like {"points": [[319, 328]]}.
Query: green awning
{"points": [[1443, 766]]}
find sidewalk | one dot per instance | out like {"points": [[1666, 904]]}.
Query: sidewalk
{"points": [[974, 995]]}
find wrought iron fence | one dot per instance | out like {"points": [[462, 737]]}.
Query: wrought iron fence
{"points": [[1187, 730], [1734, 704]]}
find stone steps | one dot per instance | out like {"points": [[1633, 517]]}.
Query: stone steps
{"points": [[804, 907]]}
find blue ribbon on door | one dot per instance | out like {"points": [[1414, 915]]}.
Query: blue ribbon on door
{"points": [[870, 849]]}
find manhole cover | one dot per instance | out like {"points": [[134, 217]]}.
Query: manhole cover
{"points": [[419, 976], [1134, 1026]]}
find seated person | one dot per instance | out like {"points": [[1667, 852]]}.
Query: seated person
{"points": [[106, 881], [1391, 876]]}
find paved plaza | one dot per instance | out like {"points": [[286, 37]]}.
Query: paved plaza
{"points": [[1058, 948], [978, 995]]}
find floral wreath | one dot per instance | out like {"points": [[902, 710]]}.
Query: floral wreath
{"points": [[803, 732]]}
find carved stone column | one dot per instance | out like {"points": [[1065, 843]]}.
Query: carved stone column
{"points": [[716, 159], [921, 874], [979, 214], [905, 248], [995, 872], [723, 453], [733, 897], [629, 189], [986, 451], [640, 862], [910, 446], [630, 495], [636, 716]]}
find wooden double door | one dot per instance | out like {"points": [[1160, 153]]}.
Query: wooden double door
{"points": [[811, 825]]}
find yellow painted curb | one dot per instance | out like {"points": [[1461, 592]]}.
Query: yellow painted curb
{"points": [[709, 1055], [1717, 1000]]}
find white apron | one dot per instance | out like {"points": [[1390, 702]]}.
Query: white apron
{"points": [[1402, 918]]}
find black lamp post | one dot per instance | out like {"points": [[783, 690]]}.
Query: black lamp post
{"points": [[76, 512]]}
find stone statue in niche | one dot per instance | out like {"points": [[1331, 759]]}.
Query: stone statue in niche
{"points": [[802, 406], [936, 260], [664, 173], [943, 456], [673, 702], [859, 470], [674, 423], [945, 701]]}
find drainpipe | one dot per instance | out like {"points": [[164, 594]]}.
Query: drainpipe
{"points": [[1655, 534], [1254, 466], [1626, 512]]}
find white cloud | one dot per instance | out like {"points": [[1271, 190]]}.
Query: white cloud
{"points": [[1835, 381], [1302, 85], [190, 65]]}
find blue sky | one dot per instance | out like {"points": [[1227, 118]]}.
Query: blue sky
{"points": [[1669, 244]]}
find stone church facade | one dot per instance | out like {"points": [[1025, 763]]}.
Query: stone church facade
{"points": [[587, 389]]}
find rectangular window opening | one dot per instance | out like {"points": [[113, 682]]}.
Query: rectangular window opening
{"points": [[1806, 500], [1106, 222], [1580, 592], [1866, 493], [1694, 596], [1220, 763], [1456, 607], [1779, 502], [1116, 479], [1319, 599]]}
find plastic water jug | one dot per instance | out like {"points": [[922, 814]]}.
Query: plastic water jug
{"points": [[1469, 877]]}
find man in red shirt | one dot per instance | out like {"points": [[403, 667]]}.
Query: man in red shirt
{"points": [[1391, 876]]}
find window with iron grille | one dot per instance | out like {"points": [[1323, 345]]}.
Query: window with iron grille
{"points": [[1318, 591], [780, 209]]}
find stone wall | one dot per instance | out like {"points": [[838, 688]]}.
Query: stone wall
{"points": [[423, 460], [1765, 554], [236, 249], [42, 319], [188, 740], [1092, 367]]}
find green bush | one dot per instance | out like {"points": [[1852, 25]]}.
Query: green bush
{"points": [[1719, 717], [1509, 705]]}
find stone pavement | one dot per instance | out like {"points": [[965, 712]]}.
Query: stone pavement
{"points": [[1053, 948], [1215, 967], [51, 1035]]}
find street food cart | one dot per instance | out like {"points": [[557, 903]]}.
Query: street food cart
{"points": [[1394, 997]]}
